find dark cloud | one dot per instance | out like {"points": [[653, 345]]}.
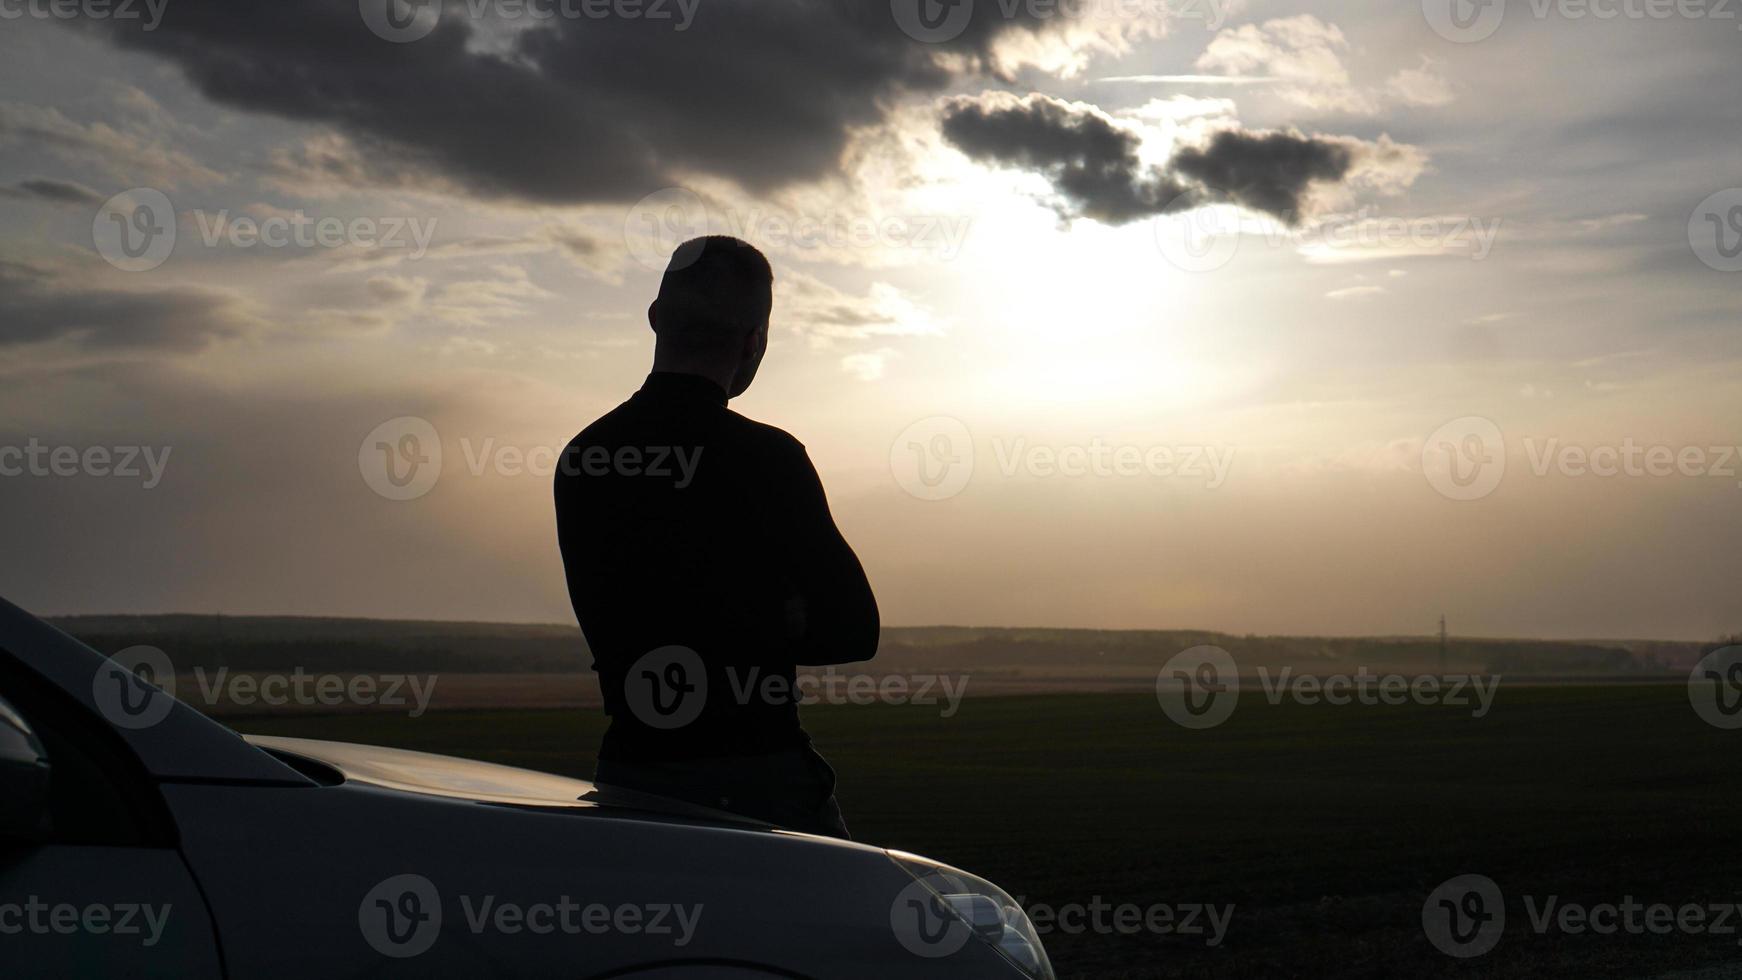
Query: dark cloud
{"points": [[57, 191], [1093, 162], [1266, 172], [573, 110], [37, 305]]}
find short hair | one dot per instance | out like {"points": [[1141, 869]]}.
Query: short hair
{"points": [[715, 291]]}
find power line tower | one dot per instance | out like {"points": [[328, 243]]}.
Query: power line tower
{"points": [[1442, 644]]}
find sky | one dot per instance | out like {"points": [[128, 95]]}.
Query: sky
{"points": [[1248, 316]]}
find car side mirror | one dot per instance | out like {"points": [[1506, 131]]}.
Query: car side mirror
{"points": [[24, 812]]}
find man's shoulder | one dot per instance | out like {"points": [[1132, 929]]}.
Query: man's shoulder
{"points": [[629, 425], [603, 429], [770, 437]]}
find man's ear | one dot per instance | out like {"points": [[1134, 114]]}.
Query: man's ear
{"points": [[653, 316]]}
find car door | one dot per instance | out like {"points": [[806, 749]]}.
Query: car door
{"points": [[92, 883]]}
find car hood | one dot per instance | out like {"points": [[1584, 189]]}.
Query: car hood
{"points": [[429, 774]]}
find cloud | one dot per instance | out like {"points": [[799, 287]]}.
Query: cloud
{"points": [[573, 110], [1303, 56], [56, 191], [1096, 166], [1191, 79], [397, 290], [479, 302], [38, 305], [136, 152], [868, 365], [1303, 52], [1182, 107], [1091, 160], [1423, 86], [598, 253], [1355, 292], [1268, 172], [815, 309]]}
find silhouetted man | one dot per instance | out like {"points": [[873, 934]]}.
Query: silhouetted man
{"points": [[704, 565]]}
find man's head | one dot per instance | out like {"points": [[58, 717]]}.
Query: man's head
{"points": [[711, 316]]}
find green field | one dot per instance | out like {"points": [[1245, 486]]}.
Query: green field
{"points": [[1325, 826]]}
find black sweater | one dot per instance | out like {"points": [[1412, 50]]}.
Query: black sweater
{"points": [[683, 523]]}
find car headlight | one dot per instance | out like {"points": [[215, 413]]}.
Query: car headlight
{"points": [[945, 906]]}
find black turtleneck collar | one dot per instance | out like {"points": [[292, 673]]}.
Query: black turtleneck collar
{"points": [[667, 384]]}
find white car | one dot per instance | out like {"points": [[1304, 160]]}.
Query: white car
{"points": [[139, 838]]}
